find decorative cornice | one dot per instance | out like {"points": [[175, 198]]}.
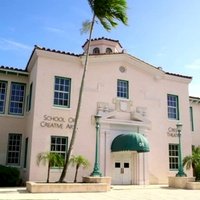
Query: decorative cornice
{"points": [[194, 99], [102, 38]]}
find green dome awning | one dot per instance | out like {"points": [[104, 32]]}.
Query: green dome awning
{"points": [[130, 142]]}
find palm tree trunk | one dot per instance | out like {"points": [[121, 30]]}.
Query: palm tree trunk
{"points": [[64, 171], [48, 172], [76, 173]]}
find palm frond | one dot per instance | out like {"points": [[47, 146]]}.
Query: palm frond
{"points": [[91, 4], [110, 12], [86, 26], [193, 160], [41, 157], [54, 159], [79, 160], [187, 162]]}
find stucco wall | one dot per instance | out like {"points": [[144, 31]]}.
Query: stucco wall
{"points": [[11, 123], [148, 89]]}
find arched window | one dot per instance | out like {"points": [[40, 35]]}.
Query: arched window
{"points": [[96, 50], [108, 50]]}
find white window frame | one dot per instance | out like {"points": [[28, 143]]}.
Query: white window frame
{"points": [[3, 94], [191, 119], [108, 50], [17, 98], [173, 157], [58, 145], [14, 149], [62, 92], [96, 50], [122, 89], [172, 106]]}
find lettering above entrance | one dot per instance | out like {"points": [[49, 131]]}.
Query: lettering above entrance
{"points": [[58, 122], [172, 132]]}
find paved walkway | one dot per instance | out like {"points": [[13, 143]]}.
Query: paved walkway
{"points": [[151, 192]]}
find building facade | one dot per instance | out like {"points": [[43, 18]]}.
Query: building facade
{"points": [[139, 105]]}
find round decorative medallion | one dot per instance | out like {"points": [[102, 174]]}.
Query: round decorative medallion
{"points": [[122, 69]]}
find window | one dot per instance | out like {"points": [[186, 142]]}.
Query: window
{"points": [[25, 152], [117, 165], [96, 50], [17, 95], [173, 111], [30, 97], [191, 118], [126, 165], [173, 156], [122, 89], [193, 146], [59, 145], [3, 89], [62, 91], [108, 50], [14, 149]]}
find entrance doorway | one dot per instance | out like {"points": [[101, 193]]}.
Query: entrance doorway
{"points": [[122, 168]]}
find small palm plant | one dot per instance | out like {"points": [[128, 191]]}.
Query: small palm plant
{"points": [[193, 161], [78, 161], [52, 158]]}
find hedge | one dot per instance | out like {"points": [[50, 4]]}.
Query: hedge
{"points": [[9, 176]]}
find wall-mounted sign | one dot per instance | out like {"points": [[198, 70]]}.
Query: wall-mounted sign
{"points": [[172, 132], [57, 122]]}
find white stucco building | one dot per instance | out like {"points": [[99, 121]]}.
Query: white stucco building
{"points": [[140, 106]]}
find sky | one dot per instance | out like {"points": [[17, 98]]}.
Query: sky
{"points": [[163, 33]]}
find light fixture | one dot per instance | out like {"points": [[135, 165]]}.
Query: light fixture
{"points": [[181, 172]]}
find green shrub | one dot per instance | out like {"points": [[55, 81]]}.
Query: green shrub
{"points": [[9, 176], [197, 172]]}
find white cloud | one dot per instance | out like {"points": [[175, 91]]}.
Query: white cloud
{"points": [[195, 65], [54, 30], [162, 51], [194, 89], [6, 44], [160, 54]]}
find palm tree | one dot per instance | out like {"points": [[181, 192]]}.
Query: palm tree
{"points": [[78, 161], [108, 13], [193, 161], [53, 159]]}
